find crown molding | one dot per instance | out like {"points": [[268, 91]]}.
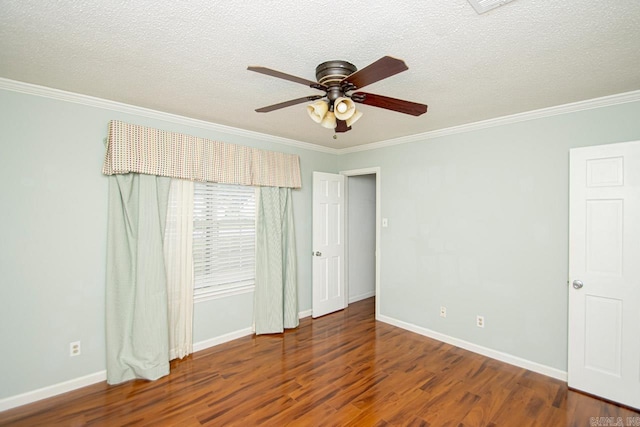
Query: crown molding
{"points": [[120, 107], [605, 101], [106, 104]]}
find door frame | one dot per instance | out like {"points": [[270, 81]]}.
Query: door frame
{"points": [[356, 172]]}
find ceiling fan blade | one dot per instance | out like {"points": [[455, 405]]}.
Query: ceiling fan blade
{"points": [[341, 126], [399, 105], [288, 103], [384, 67], [285, 76]]}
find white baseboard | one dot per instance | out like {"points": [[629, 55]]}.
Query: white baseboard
{"points": [[304, 314], [52, 390], [212, 342], [360, 297], [494, 354], [76, 383]]}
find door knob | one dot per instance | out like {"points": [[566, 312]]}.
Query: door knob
{"points": [[577, 284], [318, 253]]}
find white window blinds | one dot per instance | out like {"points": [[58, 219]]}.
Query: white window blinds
{"points": [[224, 234]]}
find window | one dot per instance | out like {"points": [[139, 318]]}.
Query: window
{"points": [[224, 239]]}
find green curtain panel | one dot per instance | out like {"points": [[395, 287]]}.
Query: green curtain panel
{"points": [[276, 292], [136, 288]]}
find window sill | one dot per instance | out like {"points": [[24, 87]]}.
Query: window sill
{"points": [[222, 293]]}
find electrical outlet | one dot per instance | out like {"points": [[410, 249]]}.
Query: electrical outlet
{"points": [[480, 321], [74, 348], [443, 311]]}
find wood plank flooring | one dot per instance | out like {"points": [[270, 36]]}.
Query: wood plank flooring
{"points": [[344, 369]]}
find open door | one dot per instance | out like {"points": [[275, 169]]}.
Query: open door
{"points": [[328, 244], [604, 269]]}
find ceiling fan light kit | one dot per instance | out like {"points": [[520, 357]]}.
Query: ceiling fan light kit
{"points": [[344, 108], [338, 79], [329, 120], [317, 110], [351, 120]]}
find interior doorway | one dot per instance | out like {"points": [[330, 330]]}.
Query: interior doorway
{"points": [[362, 235]]}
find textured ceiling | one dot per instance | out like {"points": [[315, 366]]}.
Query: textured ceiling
{"points": [[190, 58]]}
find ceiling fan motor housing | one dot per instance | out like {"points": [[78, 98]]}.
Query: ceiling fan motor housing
{"points": [[331, 73]]}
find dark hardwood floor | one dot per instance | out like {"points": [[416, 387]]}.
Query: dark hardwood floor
{"points": [[344, 369]]}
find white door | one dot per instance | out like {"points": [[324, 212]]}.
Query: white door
{"points": [[328, 243], [604, 269]]}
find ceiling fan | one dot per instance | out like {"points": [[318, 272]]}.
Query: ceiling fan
{"points": [[338, 80]]}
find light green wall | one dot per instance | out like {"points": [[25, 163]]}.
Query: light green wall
{"points": [[478, 222], [53, 239]]}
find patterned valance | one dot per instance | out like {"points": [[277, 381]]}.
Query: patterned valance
{"points": [[140, 149]]}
